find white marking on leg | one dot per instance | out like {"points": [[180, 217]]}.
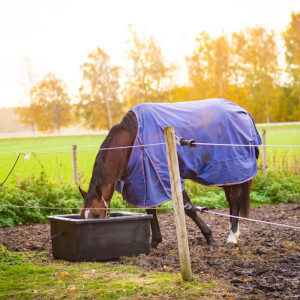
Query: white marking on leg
{"points": [[234, 236], [86, 213]]}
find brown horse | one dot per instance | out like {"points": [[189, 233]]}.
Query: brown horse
{"points": [[111, 164]]}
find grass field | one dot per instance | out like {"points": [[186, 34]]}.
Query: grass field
{"points": [[43, 278], [54, 155]]}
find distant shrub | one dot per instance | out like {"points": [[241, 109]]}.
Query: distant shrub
{"points": [[36, 191], [277, 188]]}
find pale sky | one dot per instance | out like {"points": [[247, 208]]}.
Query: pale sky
{"points": [[57, 35]]}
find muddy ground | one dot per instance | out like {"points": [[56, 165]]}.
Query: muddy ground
{"points": [[264, 265]]}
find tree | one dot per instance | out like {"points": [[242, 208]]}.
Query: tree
{"points": [[208, 67], [26, 113], [100, 105], [179, 94], [198, 67], [50, 108], [261, 72], [292, 42], [148, 74], [237, 67]]}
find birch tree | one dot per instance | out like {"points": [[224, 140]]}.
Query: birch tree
{"points": [[99, 103]]}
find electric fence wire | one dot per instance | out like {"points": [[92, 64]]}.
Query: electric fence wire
{"points": [[162, 208], [27, 155]]}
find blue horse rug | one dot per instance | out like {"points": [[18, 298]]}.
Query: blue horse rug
{"points": [[146, 182]]}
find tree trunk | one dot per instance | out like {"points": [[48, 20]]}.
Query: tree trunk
{"points": [[267, 111], [237, 87], [56, 116], [106, 99]]}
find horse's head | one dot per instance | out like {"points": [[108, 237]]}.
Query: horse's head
{"points": [[94, 205]]}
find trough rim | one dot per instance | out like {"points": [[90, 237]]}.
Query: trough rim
{"points": [[70, 218]]}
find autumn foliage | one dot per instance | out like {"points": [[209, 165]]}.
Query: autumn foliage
{"points": [[50, 107], [247, 67]]}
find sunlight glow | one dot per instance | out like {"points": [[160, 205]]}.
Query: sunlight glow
{"points": [[57, 35]]}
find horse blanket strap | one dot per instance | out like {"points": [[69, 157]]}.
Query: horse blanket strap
{"points": [[107, 214], [146, 182]]}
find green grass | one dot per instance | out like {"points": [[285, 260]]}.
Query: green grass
{"points": [[46, 179], [44, 278], [282, 137], [59, 165]]}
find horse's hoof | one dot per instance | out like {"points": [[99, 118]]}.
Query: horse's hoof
{"points": [[154, 243], [210, 241], [232, 238]]}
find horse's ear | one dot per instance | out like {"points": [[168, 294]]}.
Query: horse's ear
{"points": [[82, 192]]}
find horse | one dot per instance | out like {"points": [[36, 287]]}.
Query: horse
{"points": [[231, 168]]}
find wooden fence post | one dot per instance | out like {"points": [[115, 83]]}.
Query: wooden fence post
{"points": [[74, 154], [264, 153], [179, 215]]}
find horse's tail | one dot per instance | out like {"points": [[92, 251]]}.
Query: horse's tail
{"points": [[244, 198]]}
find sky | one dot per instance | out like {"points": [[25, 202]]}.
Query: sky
{"points": [[57, 35]]}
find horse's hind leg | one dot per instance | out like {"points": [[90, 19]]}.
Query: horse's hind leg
{"points": [[232, 196], [156, 234], [238, 197], [206, 231]]}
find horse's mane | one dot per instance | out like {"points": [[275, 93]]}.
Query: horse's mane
{"points": [[127, 123]]}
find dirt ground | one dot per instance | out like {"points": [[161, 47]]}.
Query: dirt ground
{"points": [[264, 265]]}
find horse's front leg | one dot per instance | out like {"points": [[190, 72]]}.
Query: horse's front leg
{"points": [[156, 234], [206, 231]]}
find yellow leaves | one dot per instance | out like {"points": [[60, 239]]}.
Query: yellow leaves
{"points": [[64, 274], [59, 281], [167, 268], [247, 279], [226, 294], [50, 106]]}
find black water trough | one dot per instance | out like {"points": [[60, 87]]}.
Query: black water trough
{"points": [[122, 234]]}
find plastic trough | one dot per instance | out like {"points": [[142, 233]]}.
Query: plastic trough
{"points": [[123, 234]]}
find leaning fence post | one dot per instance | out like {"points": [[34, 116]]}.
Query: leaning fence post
{"points": [[264, 153], [179, 215], [74, 154]]}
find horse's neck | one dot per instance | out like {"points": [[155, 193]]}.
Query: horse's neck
{"points": [[116, 159]]}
